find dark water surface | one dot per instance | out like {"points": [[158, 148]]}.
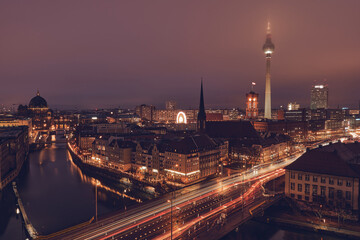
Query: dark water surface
{"points": [[55, 194]]}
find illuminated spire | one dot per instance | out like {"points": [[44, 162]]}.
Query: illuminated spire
{"points": [[268, 31], [38, 93]]}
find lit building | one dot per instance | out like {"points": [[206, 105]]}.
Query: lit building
{"points": [[164, 115], [295, 129], [327, 176], [14, 148], [252, 111], [184, 158], [146, 112], [268, 49], [113, 153], [319, 96], [10, 121], [293, 106], [64, 120], [246, 145], [41, 115], [170, 105], [297, 115], [191, 158]]}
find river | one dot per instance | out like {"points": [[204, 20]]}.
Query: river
{"points": [[55, 194]]}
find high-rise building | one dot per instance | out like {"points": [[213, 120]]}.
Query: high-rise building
{"points": [[268, 49], [252, 111], [170, 105], [293, 106], [145, 112], [319, 96], [201, 119]]}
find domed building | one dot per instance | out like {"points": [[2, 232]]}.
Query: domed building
{"points": [[38, 102], [40, 113]]}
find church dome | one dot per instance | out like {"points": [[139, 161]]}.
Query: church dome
{"points": [[38, 102]]}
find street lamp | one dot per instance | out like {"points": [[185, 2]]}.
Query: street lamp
{"points": [[124, 199], [17, 211], [97, 182], [170, 201]]}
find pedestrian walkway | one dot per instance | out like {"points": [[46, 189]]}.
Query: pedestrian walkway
{"points": [[29, 227]]}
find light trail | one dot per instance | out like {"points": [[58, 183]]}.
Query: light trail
{"points": [[118, 226]]}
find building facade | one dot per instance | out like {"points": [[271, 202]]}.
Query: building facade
{"points": [[14, 148], [327, 176], [252, 111], [319, 96]]}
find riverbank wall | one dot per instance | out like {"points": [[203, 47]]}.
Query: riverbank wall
{"points": [[112, 179], [325, 228]]}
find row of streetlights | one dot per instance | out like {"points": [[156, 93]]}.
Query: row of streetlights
{"points": [[18, 212]]}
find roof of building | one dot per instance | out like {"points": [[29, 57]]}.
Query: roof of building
{"points": [[122, 144], [38, 102], [11, 132], [331, 160], [231, 129], [192, 143]]}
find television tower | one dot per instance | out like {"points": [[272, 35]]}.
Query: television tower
{"points": [[268, 49]]}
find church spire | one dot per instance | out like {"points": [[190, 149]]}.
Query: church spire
{"points": [[201, 119], [38, 93]]}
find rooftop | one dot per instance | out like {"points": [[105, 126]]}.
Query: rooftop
{"points": [[334, 159]]}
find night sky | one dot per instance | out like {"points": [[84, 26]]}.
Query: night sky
{"points": [[124, 53]]}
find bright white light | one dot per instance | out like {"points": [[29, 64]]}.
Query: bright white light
{"points": [[319, 86], [180, 173], [181, 118], [268, 52], [94, 118]]}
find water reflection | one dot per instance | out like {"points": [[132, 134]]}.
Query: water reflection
{"points": [[56, 195], [86, 179], [253, 230]]}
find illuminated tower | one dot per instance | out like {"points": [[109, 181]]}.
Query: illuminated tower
{"points": [[268, 49], [201, 119], [252, 98]]}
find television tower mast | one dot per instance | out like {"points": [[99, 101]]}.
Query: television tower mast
{"points": [[268, 49]]}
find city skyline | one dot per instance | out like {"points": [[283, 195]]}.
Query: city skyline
{"points": [[113, 59]]}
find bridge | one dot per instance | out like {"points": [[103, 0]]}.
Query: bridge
{"points": [[198, 210]]}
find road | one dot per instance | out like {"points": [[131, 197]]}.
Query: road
{"points": [[189, 205]]}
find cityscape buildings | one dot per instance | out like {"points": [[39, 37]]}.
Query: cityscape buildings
{"points": [[198, 173]]}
